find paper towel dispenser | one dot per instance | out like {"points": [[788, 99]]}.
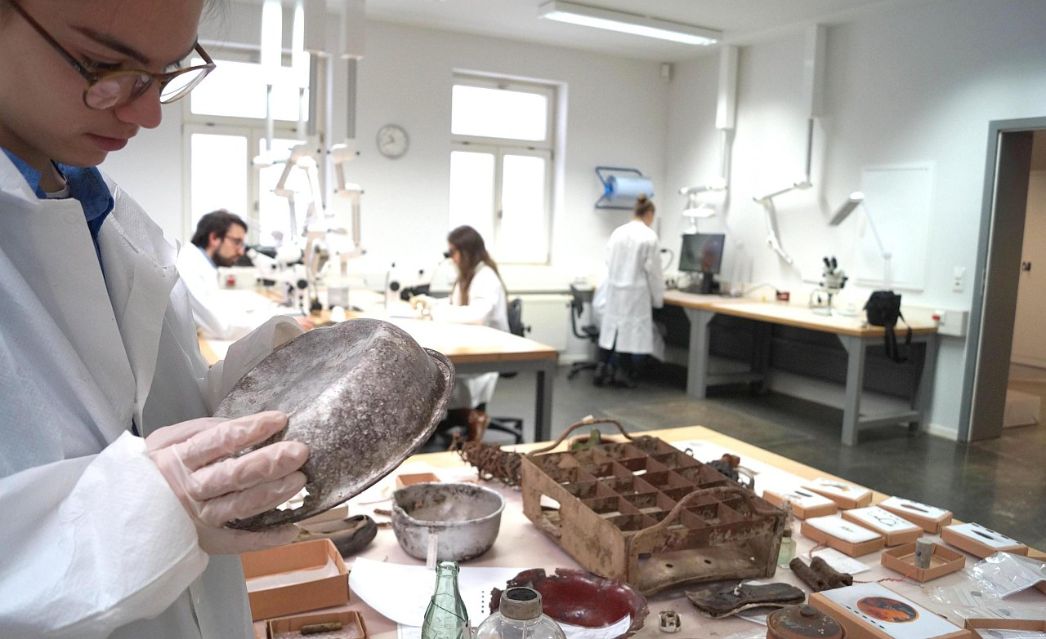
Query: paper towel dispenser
{"points": [[621, 187]]}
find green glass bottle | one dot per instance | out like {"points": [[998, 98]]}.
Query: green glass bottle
{"points": [[446, 616]]}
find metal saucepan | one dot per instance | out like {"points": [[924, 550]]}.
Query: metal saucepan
{"points": [[464, 517]]}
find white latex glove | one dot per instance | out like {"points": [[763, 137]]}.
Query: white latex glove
{"points": [[194, 458]]}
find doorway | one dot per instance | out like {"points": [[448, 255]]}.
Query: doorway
{"points": [[998, 276]]}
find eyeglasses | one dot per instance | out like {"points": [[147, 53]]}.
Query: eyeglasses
{"points": [[235, 241], [108, 89]]}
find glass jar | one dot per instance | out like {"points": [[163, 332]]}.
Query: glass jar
{"points": [[787, 552], [519, 616]]}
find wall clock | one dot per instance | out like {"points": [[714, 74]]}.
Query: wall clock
{"points": [[392, 141]]}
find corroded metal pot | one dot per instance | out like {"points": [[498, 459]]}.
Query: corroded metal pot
{"points": [[362, 394], [464, 517]]}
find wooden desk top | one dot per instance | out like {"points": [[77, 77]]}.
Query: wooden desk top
{"points": [[461, 343], [789, 315]]}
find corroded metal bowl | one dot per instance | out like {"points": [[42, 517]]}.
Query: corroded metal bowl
{"points": [[362, 394], [464, 517]]}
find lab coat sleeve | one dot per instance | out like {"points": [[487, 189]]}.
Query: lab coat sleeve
{"points": [[483, 300], [654, 276], [215, 321], [91, 544], [245, 354]]}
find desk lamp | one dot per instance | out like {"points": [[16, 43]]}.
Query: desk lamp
{"points": [[855, 200]]}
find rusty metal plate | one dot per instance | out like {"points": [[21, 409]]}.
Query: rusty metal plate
{"points": [[362, 394]]}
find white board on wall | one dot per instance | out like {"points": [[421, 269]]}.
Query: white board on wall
{"points": [[898, 198]]}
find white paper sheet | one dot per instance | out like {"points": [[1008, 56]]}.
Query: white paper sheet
{"points": [[401, 592], [840, 562]]}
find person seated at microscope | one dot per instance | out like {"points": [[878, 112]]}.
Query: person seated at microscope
{"points": [[219, 240]]}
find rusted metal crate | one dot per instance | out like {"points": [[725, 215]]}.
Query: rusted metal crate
{"points": [[644, 512]]}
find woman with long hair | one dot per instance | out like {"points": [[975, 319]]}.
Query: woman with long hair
{"points": [[478, 297]]}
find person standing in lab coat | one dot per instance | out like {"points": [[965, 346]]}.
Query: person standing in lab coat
{"points": [[634, 286], [115, 485], [478, 297]]}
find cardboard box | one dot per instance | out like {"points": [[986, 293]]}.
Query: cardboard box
{"points": [[980, 541], [846, 605], [895, 530], [409, 479], [943, 562], [1031, 625], [803, 504], [352, 625], [295, 578], [931, 518], [846, 537], [843, 494]]}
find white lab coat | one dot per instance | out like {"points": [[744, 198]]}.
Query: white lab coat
{"points": [[487, 306], [215, 319], [634, 285], [94, 542]]}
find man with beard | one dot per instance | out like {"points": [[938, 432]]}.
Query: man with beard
{"points": [[218, 241]]}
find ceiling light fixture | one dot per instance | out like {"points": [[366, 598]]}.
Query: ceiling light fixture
{"points": [[585, 15]]}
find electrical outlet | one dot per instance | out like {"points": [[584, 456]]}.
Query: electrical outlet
{"points": [[958, 279]]}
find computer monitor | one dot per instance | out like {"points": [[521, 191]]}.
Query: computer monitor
{"points": [[702, 253]]}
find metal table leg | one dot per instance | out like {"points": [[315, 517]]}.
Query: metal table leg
{"points": [[543, 402], [698, 354], [855, 350], [924, 393]]}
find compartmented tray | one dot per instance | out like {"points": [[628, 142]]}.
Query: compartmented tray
{"points": [[644, 512]]}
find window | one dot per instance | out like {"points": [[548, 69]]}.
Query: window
{"points": [[501, 165], [226, 130]]}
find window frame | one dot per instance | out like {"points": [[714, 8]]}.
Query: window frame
{"points": [[500, 147], [254, 129]]}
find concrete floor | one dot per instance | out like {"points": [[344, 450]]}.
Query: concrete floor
{"points": [[1000, 483]]}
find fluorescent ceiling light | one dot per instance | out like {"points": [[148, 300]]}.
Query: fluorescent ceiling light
{"points": [[588, 16]]}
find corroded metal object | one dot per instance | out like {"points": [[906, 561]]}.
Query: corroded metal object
{"points": [[643, 512], [802, 622], [819, 576], [489, 460], [362, 394], [580, 598], [723, 600], [465, 519], [670, 622]]}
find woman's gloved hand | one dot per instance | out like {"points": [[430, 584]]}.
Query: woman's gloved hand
{"points": [[195, 458]]}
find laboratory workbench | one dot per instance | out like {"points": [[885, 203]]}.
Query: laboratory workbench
{"points": [[852, 332], [522, 545]]}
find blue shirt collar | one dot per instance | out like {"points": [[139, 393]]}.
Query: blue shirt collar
{"points": [[86, 185]]}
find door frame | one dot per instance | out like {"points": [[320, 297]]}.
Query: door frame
{"points": [[1003, 209]]}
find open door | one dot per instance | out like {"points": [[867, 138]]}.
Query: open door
{"points": [[996, 278]]}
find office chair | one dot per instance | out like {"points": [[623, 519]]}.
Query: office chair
{"points": [[578, 297], [511, 425]]}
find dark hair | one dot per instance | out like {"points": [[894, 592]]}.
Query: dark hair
{"points": [[469, 244], [217, 222], [643, 205]]}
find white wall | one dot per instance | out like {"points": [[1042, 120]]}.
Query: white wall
{"points": [[616, 116], [914, 83]]}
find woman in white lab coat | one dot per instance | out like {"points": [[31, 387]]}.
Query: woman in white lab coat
{"points": [[634, 286], [478, 297], [107, 533]]}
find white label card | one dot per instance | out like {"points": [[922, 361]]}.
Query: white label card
{"points": [[839, 528], [882, 520], [986, 536], [802, 498], [914, 507], [838, 488]]}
